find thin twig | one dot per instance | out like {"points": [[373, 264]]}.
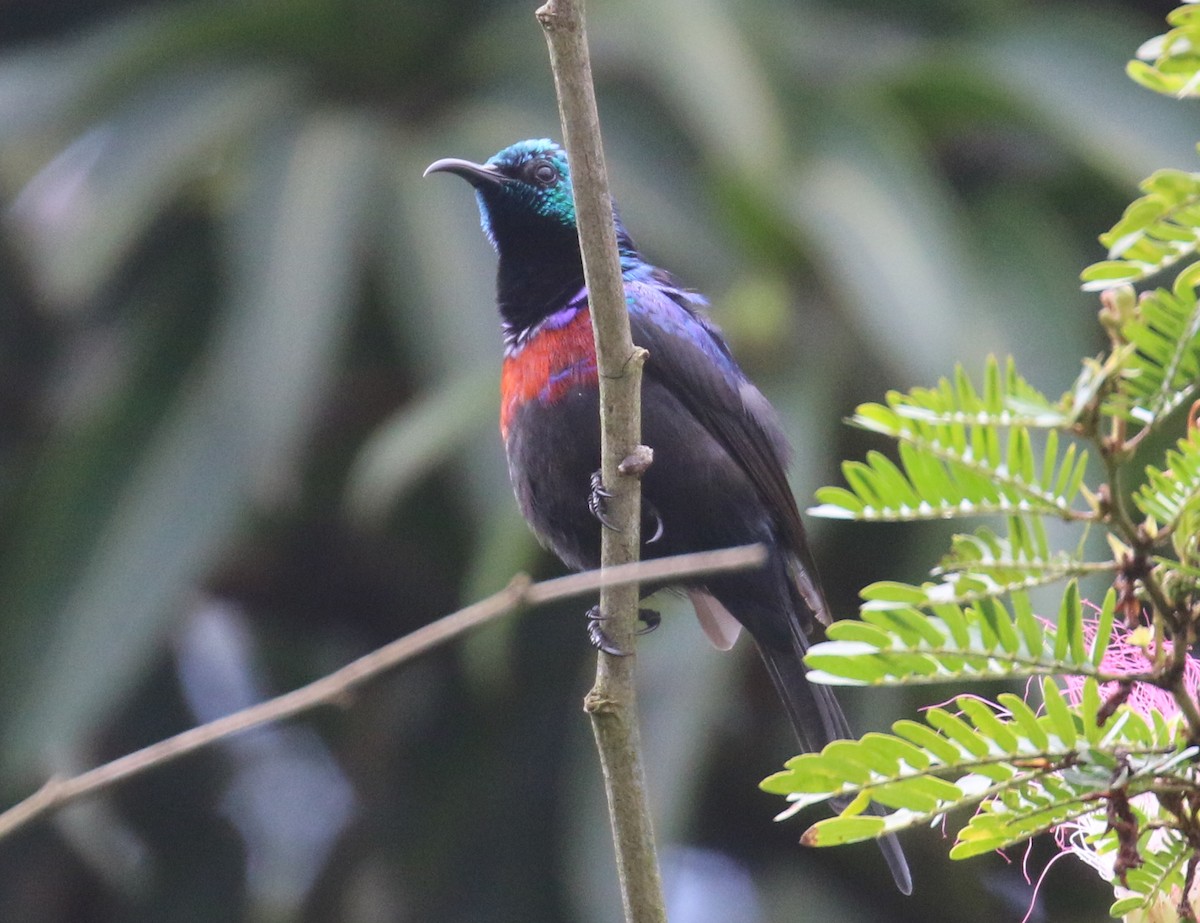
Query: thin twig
{"points": [[612, 703], [335, 688]]}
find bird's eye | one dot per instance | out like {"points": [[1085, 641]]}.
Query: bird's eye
{"points": [[544, 173]]}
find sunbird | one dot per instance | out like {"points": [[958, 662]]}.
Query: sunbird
{"points": [[718, 477]]}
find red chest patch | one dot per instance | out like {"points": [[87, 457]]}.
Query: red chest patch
{"points": [[554, 360]]}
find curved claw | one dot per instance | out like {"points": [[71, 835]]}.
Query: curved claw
{"points": [[658, 522], [598, 637], [596, 497], [651, 619]]}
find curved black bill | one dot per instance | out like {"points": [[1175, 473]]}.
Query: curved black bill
{"points": [[476, 174]]}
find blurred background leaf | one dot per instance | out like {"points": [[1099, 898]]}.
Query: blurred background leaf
{"points": [[247, 374]]}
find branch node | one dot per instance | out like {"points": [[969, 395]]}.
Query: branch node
{"points": [[343, 699], [632, 365], [518, 588], [551, 17], [637, 462], [598, 703]]}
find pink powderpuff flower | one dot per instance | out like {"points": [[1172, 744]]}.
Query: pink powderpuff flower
{"points": [[1079, 837], [1124, 656]]}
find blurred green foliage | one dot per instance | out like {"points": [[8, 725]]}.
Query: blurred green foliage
{"points": [[247, 418]]}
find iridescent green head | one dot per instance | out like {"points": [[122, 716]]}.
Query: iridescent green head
{"points": [[528, 213], [524, 191]]}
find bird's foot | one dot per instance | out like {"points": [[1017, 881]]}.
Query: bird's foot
{"points": [[599, 638], [598, 498]]}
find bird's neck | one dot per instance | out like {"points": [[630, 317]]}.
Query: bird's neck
{"points": [[534, 282], [528, 291]]}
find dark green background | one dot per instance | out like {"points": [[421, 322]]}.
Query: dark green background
{"points": [[248, 364]]}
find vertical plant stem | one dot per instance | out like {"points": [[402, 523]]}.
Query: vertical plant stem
{"points": [[612, 703]]}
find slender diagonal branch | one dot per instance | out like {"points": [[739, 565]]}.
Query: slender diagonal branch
{"points": [[612, 702], [337, 687]]}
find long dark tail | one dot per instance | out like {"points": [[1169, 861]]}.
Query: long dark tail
{"points": [[818, 719]]}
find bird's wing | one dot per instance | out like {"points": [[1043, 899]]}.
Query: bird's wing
{"points": [[689, 358]]}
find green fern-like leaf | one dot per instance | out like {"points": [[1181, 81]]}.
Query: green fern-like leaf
{"points": [[1156, 231], [951, 468], [1162, 371], [1170, 63], [1038, 806], [1030, 772], [896, 643], [1006, 399], [1169, 493], [964, 451], [983, 564]]}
